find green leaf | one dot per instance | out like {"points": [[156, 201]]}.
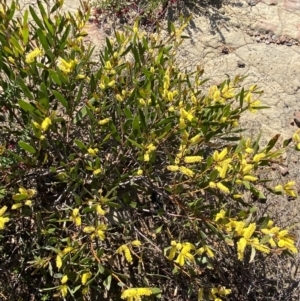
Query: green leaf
{"points": [[20, 197], [2, 193], [156, 290], [25, 30], [253, 252], [27, 147], [158, 230], [80, 144], [265, 239], [272, 142], [287, 142], [54, 76], [61, 98], [107, 282], [80, 115], [24, 88], [136, 123], [43, 40], [135, 144], [24, 105], [36, 18]]}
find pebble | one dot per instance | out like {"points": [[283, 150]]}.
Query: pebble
{"points": [[241, 64], [252, 2]]}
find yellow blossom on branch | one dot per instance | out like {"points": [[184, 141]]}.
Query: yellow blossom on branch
{"points": [[126, 252], [3, 220], [30, 57], [192, 159], [75, 217], [85, 277], [134, 294]]}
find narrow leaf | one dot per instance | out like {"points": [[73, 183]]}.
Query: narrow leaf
{"points": [[27, 147]]}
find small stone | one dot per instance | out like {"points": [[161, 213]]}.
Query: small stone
{"points": [[289, 44], [241, 64], [258, 39], [267, 42], [284, 171], [274, 37], [282, 39], [297, 118], [252, 2]]}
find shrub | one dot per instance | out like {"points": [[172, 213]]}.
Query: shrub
{"points": [[122, 178]]}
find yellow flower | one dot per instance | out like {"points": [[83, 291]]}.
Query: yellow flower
{"points": [[136, 243], [256, 103], [66, 250], [89, 229], [45, 124], [134, 294], [100, 231], [139, 172], [75, 217], [125, 250], [58, 261], [97, 171], [65, 66], [63, 290], [222, 187], [93, 151], [80, 76], [11, 60], [241, 245], [258, 157], [250, 178], [111, 83], [3, 220], [104, 121], [212, 185], [185, 254], [207, 250], [30, 57], [192, 159], [64, 279], [99, 210], [85, 277], [186, 171], [220, 215]]}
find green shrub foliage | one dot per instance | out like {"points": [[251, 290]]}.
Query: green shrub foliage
{"points": [[122, 173]]}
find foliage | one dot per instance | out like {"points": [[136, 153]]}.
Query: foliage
{"points": [[120, 175], [149, 12]]}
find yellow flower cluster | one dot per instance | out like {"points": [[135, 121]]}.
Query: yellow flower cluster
{"points": [[23, 198], [214, 293], [288, 188], [3, 220], [248, 236], [31, 56], [61, 254], [75, 217], [126, 252], [296, 139], [135, 294], [150, 148], [66, 66], [98, 231], [252, 103], [280, 238], [183, 251]]}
